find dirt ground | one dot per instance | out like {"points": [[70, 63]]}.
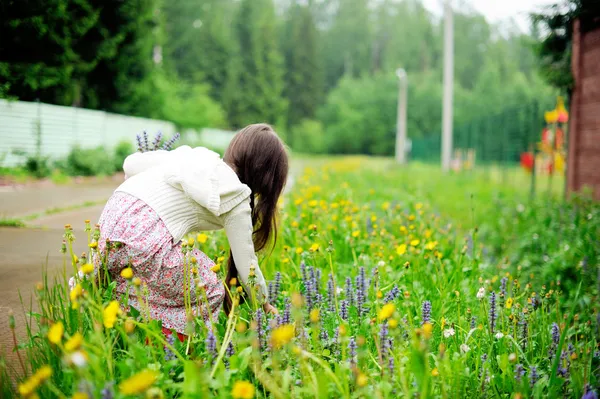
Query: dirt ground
{"points": [[25, 252]]}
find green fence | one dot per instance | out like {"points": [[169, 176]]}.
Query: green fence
{"points": [[499, 138]]}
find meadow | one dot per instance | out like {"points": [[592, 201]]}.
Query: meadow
{"points": [[390, 282]]}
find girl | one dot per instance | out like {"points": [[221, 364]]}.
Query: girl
{"points": [[168, 194]]}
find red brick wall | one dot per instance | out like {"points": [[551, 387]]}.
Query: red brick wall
{"points": [[583, 167]]}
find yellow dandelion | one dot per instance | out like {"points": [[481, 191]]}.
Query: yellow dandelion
{"points": [[313, 203], [76, 292], [385, 206], [55, 333], [509, 303], [127, 273], [343, 330], [379, 294], [138, 383], [110, 314], [299, 250], [401, 249], [80, 395], [282, 335], [415, 242], [393, 323], [93, 244], [431, 245], [355, 233], [435, 372], [201, 238], [137, 281], [314, 315], [216, 268], [314, 247], [242, 390], [427, 330], [74, 342], [88, 268], [361, 379], [387, 311]]}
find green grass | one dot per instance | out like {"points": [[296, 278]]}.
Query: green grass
{"points": [[422, 239], [8, 222]]}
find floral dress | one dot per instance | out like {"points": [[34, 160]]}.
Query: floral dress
{"points": [[148, 248]]}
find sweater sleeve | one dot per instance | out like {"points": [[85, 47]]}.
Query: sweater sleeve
{"points": [[238, 227], [141, 161]]}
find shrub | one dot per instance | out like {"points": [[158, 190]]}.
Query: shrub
{"points": [[89, 162], [308, 137], [122, 150]]}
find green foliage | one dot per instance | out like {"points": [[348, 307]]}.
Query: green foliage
{"points": [[303, 81], [255, 86], [309, 136], [122, 151], [89, 162]]}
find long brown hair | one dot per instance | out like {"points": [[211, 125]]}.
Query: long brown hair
{"points": [[260, 160]]}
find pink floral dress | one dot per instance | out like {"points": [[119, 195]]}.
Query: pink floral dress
{"points": [[148, 248]]}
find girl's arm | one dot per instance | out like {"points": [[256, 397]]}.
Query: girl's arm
{"points": [[142, 161], [238, 227]]}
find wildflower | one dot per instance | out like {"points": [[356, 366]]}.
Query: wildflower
{"points": [[299, 250], [74, 342], [110, 313], [55, 333], [287, 312], [393, 323], [392, 294], [76, 292], [435, 372], [555, 333], [127, 273], [533, 376], [449, 332], [509, 303], [387, 311], [499, 335], [88, 268], [427, 329], [481, 293], [352, 350], [78, 358], [493, 314], [29, 386], [139, 382], [242, 390], [355, 233], [401, 249], [361, 379], [314, 316], [415, 242], [361, 291], [344, 309], [216, 267], [282, 335], [589, 393], [426, 312], [314, 247], [275, 288], [349, 291], [211, 344], [80, 395], [154, 393], [431, 245], [169, 355], [464, 348], [523, 332], [201, 238], [137, 281], [229, 351]]}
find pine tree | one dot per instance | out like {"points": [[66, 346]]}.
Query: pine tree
{"points": [[254, 91], [303, 70]]}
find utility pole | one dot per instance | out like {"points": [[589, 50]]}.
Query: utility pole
{"points": [[448, 86], [401, 117]]}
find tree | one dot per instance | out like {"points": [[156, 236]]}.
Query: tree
{"points": [[303, 69], [254, 91]]}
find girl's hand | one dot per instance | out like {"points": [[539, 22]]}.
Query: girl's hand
{"points": [[268, 308]]}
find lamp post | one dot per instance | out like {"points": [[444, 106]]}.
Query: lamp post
{"points": [[401, 117], [448, 87]]}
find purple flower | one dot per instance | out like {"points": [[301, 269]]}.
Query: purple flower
{"points": [[473, 322], [260, 332], [167, 146], [156, 143], [107, 391], [589, 393], [140, 146], [524, 332], [324, 337], [361, 292], [555, 335], [330, 294], [349, 291], [493, 313], [211, 345], [287, 312], [533, 376], [229, 351], [275, 288], [336, 342], [519, 372], [169, 355], [344, 309], [391, 365], [146, 148], [352, 351], [503, 290], [426, 312], [392, 294]]}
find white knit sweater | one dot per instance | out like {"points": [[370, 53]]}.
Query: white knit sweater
{"points": [[192, 189]]}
